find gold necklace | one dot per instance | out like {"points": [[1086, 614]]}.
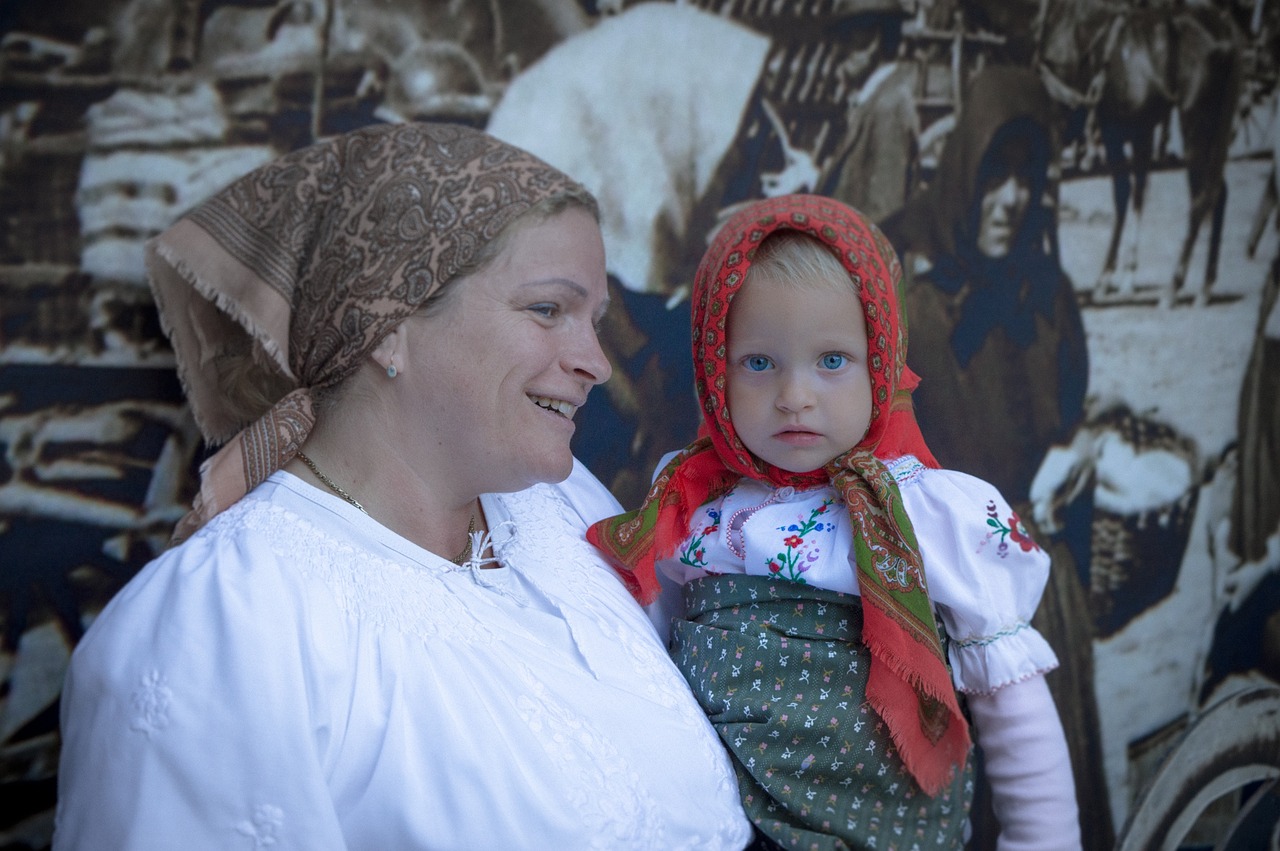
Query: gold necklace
{"points": [[460, 559], [463, 557], [330, 483]]}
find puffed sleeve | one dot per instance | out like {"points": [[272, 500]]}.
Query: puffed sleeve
{"points": [[193, 713], [986, 576]]}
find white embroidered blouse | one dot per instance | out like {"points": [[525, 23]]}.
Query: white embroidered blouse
{"points": [[296, 676], [984, 574]]}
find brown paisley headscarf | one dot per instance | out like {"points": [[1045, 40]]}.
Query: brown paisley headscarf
{"points": [[909, 685], [310, 261]]}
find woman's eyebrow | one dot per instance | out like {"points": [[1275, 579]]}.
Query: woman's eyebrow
{"points": [[566, 283], [576, 288]]}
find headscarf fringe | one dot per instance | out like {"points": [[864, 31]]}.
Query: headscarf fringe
{"points": [[163, 252], [933, 765], [919, 754], [687, 475]]}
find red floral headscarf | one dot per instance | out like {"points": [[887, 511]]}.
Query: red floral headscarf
{"points": [[909, 686]]}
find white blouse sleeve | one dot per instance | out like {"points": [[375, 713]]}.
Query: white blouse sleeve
{"points": [[986, 576], [193, 713]]}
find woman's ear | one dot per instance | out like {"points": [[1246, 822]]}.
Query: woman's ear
{"points": [[391, 353]]}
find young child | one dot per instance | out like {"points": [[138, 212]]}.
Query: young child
{"points": [[831, 571]]}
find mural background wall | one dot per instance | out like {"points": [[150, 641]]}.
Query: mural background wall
{"points": [[117, 116]]}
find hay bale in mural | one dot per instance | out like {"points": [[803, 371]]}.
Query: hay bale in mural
{"points": [[151, 157]]}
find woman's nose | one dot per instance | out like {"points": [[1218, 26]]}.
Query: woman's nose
{"points": [[1007, 192], [589, 360]]}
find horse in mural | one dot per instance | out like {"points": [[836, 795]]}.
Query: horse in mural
{"points": [[1136, 68]]}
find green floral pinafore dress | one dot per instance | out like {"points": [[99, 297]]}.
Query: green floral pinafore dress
{"points": [[780, 669]]}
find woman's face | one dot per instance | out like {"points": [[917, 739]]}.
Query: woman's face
{"points": [[1004, 192], [1001, 210], [497, 372]]}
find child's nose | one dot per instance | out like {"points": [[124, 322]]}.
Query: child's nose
{"points": [[794, 395]]}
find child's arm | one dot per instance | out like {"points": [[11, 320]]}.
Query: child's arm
{"points": [[1028, 767]]}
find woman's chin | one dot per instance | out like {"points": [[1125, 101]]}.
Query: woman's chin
{"points": [[551, 466]]}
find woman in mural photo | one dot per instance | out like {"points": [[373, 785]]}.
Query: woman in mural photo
{"points": [[998, 341], [383, 628], [834, 592]]}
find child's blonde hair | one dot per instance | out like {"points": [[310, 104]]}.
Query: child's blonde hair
{"points": [[799, 259]]}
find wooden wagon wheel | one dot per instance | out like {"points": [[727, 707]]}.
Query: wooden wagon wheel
{"points": [[1236, 744]]}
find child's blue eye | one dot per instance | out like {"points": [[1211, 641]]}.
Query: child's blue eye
{"points": [[831, 360], [756, 363]]}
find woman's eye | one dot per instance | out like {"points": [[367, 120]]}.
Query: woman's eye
{"points": [[547, 311], [831, 360], [756, 363]]}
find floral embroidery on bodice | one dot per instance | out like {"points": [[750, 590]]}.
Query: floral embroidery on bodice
{"points": [[801, 536], [802, 549]]}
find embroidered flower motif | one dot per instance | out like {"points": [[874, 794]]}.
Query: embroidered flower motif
{"points": [[693, 553], [1019, 535], [797, 556], [264, 827], [151, 701], [1015, 531]]}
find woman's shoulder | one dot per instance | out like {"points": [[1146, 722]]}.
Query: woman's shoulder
{"points": [[568, 506], [247, 536], [225, 584]]}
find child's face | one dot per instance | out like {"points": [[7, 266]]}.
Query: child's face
{"points": [[798, 388]]}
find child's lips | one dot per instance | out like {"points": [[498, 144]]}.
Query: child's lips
{"points": [[797, 436]]}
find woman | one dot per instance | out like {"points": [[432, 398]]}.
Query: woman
{"points": [[385, 629], [999, 344]]}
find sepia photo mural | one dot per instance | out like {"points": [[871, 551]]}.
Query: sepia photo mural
{"points": [[1117, 375]]}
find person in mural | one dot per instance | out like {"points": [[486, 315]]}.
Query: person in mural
{"points": [[384, 628], [1255, 505], [999, 344], [838, 588]]}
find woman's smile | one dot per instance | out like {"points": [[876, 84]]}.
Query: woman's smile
{"points": [[556, 406]]}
